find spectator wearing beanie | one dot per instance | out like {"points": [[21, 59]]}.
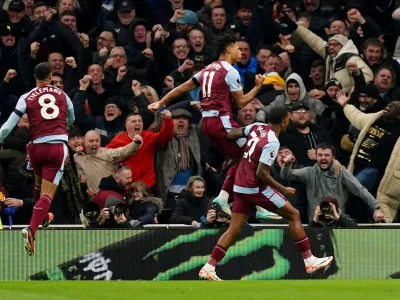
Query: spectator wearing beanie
{"points": [[341, 52]]}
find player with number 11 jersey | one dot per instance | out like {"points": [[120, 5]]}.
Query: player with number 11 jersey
{"points": [[50, 112], [220, 90]]}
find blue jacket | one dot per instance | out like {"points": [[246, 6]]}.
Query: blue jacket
{"points": [[251, 67]]}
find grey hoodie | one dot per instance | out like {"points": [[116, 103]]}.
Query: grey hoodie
{"points": [[316, 106], [320, 183]]}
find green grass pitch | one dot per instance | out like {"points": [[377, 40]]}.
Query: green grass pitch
{"points": [[175, 290]]}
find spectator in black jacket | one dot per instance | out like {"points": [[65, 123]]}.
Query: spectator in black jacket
{"points": [[123, 27], [192, 203], [143, 208], [108, 125], [15, 16], [117, 71], [302, 136]]}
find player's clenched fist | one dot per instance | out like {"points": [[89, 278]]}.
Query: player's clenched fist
{"points": [[259, 80], [288, 192], [154, 106]]}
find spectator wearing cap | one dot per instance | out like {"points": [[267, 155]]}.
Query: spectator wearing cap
{"points": [[247, 63], [123, 27], [15, 16], [338, 53], [142, 163], [302, 136], [323, 179], [178, 160], [140, 41], [295, 92], [200, 52], [108, 125], [9, 57], [331, 215], [96, 162], [182, 21]]}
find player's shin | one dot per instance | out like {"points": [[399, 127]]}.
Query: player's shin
{"points": [[40, 212], [36, 193]]}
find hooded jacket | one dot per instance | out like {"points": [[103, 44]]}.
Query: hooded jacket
{"points": [[189, 208], [336, 67], [316, 106], [108, 188]]}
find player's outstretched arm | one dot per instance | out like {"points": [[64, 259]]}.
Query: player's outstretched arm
{"points": [[236, 133], [70, 113], [13, 119], [264, 175], [172, 95], [241, 100]]}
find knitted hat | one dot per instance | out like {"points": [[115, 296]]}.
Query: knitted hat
{"points": [[193, 179], [340, 38], [273, 78], [371, 90]]}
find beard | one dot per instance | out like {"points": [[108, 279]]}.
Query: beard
{"points": [[301, 125]]}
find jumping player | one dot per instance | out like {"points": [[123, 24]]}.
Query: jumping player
{"points": [[254, 186], [220, 84], [50, 112]]}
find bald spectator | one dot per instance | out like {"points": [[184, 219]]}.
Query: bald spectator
{"points": [[97, 162]]}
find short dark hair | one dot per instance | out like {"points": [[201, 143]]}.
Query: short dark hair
{"points": [[67, 13], [132, 114], [277, 115], [218, 6], [38, 4], [74, 131], [58, 74], [274, 55], [223, 41], [324, 146], [318, 63], [97, 64], [42, 71], [374, 42]]}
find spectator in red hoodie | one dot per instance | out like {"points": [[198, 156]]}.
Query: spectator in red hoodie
{"points": [[142, 162]]}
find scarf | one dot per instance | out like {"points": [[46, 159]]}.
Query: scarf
{"points": [[183, 153]]}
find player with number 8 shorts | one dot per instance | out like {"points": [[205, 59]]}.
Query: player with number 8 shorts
{"points": [[50, 112]]}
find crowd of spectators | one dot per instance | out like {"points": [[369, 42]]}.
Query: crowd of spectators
{"points": [[333, 63]]}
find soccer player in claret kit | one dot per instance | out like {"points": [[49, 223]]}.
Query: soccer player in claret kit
{"points": [[50, 113], [254, 186], [220, 90]]}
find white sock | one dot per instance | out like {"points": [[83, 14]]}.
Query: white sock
{"points": [[309, 261], [209, 267], [223, 196]]}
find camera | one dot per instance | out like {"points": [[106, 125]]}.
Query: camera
{"points": [[91, 212], [326, 209], [117, 210]]}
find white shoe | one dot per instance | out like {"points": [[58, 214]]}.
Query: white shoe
{"points": [[208, 275], [319, 263], [262, 213], [223, 205]]}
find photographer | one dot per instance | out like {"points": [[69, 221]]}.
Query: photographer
{"points": [[328, 214], [113, 215], [215, 217]]}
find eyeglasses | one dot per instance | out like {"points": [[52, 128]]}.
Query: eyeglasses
{"points": [[118, 56], [111, 107], [181, 47]]}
